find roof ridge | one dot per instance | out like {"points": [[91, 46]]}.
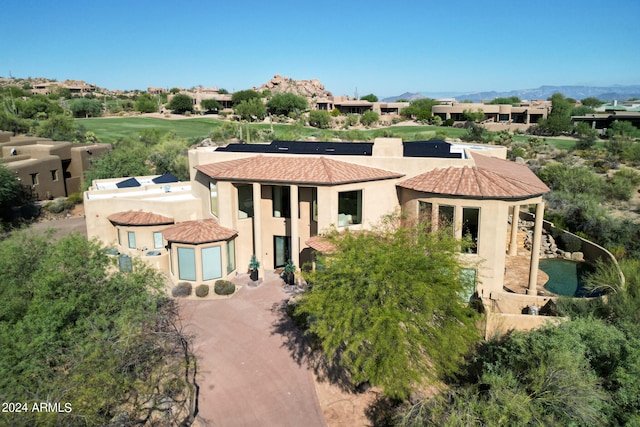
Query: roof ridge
{"points": [[327, 170], [490, 175]]}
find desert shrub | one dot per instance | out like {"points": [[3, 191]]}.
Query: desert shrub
{"points": [[448, 122], [518, 152], [75, 198], [224, 287], [68, 204], [369, 118], [182, 289], [320, 119], [55, 207], [570, 243], [202, 290]]}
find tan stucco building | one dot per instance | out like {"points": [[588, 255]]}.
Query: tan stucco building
{"points": [[525, 113], [272, 200], [49, 168]]}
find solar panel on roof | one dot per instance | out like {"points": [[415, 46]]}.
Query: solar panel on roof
{"points": [[128, 183], [303, 147], [164, 179]]}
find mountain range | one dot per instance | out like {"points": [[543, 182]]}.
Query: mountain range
{"points": [[604, 93]]}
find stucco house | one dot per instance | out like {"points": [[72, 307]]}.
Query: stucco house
{"points": [[49, 168], [273, 200]]}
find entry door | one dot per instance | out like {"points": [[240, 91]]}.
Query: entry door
{"points": [[281, 250]]}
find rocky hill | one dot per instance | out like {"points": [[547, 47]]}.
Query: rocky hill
{"points": [[307, 88]]}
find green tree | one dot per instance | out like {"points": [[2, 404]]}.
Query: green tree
{"points": [[369, 118], [320, 119], [36, 107], [181, 103], [473, 116], [74, 329], [251, 110], [370, 97], [244, 95], [286, 103], [9, 192], [586, 136], [146, 104], [85, 107], [211, 105], [512, 100], [387, 304], [582, 110], [223, 91], [592, 102], [59, 127], [624, 129], [420, 109], [545, 377], [559, 119], [128, 158]]}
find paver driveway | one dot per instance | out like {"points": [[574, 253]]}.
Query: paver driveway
{"points": [[247, 375]]}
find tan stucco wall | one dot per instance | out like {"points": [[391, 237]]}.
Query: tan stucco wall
{"points": [[499, 324], [489, 261], [47, 187], [97, 210]]}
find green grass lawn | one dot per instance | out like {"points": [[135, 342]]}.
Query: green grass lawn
{"points": [[110, 129]]}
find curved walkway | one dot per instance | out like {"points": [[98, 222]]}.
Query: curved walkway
{"points": [[247, 374]]}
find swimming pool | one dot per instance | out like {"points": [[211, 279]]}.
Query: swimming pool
{"points": [[566, 277]]}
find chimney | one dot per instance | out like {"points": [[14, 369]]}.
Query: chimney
{"points": [[387, 147]]}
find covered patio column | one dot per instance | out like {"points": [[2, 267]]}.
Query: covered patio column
{"points": [[295, 232], [535, 250], [513, 241], [257, 225]]}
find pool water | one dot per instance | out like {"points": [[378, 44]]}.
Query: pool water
{"points": [[566, 278]]}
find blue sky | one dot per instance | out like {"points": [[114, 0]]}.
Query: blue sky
{"points": [[381, 47]]}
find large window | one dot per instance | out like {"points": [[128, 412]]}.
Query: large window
{"points": [[349, 208], [211, 263], [445, 216], [314, 204], [231, 256], [157, 240], [213, 189], [187, 264], [470, 218], [425, 210], [281, 201], [132, 239], [245, 201]]}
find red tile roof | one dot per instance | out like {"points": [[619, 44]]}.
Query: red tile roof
{"points": [[490, 178], [139, 218], [320, 244], [300, 170], [196, 232]]}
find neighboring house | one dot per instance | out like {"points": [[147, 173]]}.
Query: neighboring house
{"points": [[353, 106], [50, 168], [274, 200], [602, 121], [525, 113]]}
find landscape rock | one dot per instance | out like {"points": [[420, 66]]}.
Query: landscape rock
{"points": [[577, 256]]}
